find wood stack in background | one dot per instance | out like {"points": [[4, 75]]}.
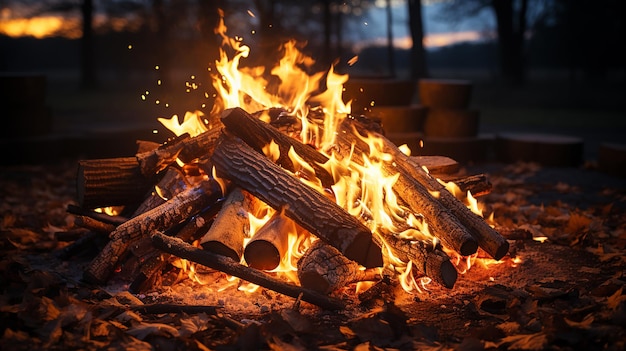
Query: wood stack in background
{"points": [[450, 127], [389, 101]]}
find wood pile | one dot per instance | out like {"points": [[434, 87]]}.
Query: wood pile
{"points": [[225, 177]]}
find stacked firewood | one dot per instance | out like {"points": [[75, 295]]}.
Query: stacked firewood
{"points": [[227, 175]]}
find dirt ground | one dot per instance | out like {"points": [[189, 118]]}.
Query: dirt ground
{"points": [[565, 293]]}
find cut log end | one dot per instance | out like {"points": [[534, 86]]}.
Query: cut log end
{"points": [[262, 254], [448, 274], [365, 251], [314, 280], [501, 251], [469, 247], [220, 249]]}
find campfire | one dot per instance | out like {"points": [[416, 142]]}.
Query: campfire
{"points": [[282, 187]]}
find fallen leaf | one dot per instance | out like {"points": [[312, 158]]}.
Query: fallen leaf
{"points": [[143, 330], [536, 341], [584, 324]]}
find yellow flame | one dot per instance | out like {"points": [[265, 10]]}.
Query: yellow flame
{"points": [[192, 123]]}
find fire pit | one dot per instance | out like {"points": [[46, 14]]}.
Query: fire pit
{"points": [[282, 221]]}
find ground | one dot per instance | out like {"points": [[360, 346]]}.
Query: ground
{"points": [[564, 293]]}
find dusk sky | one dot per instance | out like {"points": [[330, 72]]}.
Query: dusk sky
{"points": [[372, 30]]}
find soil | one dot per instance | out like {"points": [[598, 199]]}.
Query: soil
{"points": [[560, 288]]}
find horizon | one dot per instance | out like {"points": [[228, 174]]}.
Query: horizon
{"points": [[371, 30]]}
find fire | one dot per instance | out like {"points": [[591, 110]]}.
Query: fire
{"points": [[362, 187]]}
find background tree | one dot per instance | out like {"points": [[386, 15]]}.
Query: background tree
{"points": [[511, 25], [416, 28]]}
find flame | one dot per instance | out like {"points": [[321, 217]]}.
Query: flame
{"points": [[111, 210], [363, 186]]}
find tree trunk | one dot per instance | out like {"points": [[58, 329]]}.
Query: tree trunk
{"points": [[88, 66], [416, 28], [511, 40], [390, 50]]}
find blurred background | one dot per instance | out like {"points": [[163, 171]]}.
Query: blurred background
{"points": [[556, 66]]}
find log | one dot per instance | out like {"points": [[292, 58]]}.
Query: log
{"points": [[310, 209], [446, 93], [258, 134], [451, 123], [172, 212], [154, 161], [488, 238], [173, 182], [441, 221], [476, 184], [110, 182], [125, 180], [153, 261], [324, 269], [225, 264], [270, 243], [94, 225], [99, 216], [438, 164], [225, 236], [427, 259]]}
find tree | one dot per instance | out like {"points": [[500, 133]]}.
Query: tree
{"points": [[416, 28], [511, 24]]}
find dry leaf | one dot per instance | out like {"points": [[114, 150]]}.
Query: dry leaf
{"points": [[143, 330], [536, 341], [584, 324]]}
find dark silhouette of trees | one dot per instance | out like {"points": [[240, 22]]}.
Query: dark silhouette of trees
{"points": [[88, 77], [416, 28], [511, 25], [587, 37]]}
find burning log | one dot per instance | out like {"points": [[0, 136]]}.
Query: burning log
{"points": [[441, 221], [413, 176], [94, 224], [258, 134], [488, 238], [225, 264], [323, 268], [310, 209], [172, 212], [225, 236], [125, 180], [427, 259], [110, 182], [154, 260], [476, 184], [270, 243]]}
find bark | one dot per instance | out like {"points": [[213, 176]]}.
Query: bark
{"points": [[476, 184], [226, 235], [154, 260], [172, 183], [427, 259], [259, 134], [441, 221], [172, 212], [94, 225], [488, 238], [310, 209], [323, 268], [224, 264], [110, 182]]}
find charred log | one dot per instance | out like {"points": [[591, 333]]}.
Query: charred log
{"points": [[310, 209], [224, 264]]}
